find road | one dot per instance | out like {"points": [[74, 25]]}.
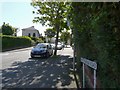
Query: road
{"points": [[21, 71], [20, 55]]}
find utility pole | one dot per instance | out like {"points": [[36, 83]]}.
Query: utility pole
{"points": [[68, 24]]}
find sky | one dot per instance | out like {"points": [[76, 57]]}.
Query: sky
{"points": [[18, 14]]}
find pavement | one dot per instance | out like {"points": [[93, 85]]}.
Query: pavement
{"points": [[26, 72]]}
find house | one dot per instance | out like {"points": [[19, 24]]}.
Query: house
{"points": [[31, 32]]}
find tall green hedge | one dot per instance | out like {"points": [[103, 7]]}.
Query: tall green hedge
{"points": [[11, 42], [96, 29]]}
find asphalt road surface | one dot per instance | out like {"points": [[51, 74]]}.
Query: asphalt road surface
{"points": [[19, 70]]}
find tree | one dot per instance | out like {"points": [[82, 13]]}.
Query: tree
{"points": [[65, 36], [7, 29], [50, 32], [52, 14], [16, 30], [96, 36]]}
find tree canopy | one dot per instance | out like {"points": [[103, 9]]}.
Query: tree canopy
{"points": [[7, 29], [65, 36], [52, 14], [50, 32]]}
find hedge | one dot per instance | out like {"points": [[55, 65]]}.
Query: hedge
{"points": [[98, 38], [11, 42]]}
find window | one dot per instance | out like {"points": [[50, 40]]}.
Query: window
{"points": [[34, 35], [29, 35]]}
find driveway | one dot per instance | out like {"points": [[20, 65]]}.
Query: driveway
{"points": [[53, 72]]}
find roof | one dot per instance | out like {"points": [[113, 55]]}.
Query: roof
{"points": [[30, 28]]}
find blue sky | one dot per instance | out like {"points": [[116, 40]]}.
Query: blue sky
{"points": [[18, 14]]}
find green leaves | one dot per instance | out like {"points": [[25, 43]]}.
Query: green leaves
{"points": [[50, 32], [65, 36], [50, 13], [13, 42], [97, 36], [7, 29]]}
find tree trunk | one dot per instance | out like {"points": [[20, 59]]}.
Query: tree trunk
{"points": [[56, 41], [57, 27]]}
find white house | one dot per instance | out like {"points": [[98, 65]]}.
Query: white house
{"points": [[31, 32]]}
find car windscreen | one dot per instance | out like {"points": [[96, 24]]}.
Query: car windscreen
{"points": [[40, 46]]}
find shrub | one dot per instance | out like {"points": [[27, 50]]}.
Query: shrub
{"points": [[9, 42], [37, 40], [7, 29]]}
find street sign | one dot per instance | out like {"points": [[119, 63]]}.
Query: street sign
{"points": [[91, 64]]}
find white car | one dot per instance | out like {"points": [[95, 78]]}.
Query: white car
{"points": [[59, 46]]}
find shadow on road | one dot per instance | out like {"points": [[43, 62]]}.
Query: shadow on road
{"points": [[53, 72]]}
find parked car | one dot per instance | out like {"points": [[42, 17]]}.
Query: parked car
{"points": [[53, 45], [42, 50], [59, 46], [63, 45]]}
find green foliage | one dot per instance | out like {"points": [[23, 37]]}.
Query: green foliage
{"points": [[15, 31], [10, 42], [96, 34], [106, 40], [37, 40], [50, 32], [53, 14], [65, 36], [7, 29]]}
